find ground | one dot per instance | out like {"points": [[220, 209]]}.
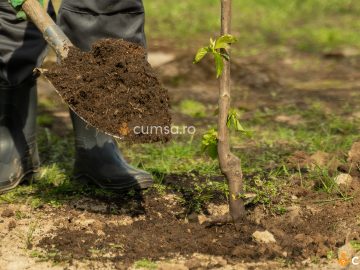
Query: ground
{"points": [[300, 160]]}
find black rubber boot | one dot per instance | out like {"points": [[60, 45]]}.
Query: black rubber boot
{"points": [[99, 161], [18, 150]]}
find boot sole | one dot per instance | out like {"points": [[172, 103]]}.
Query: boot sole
{"points": [[31, 174], [85, 179]]}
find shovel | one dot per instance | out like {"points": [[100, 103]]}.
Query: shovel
{"points": [[54, 36]]}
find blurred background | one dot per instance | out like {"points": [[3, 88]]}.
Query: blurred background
{"points": [[313, 26], [295, 81]]}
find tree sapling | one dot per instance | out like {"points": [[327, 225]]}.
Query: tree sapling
{"points": [[218, 142]]}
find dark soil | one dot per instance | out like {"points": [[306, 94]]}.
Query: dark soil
{"points": [[163, 231], [161, 234], [114, 89]]}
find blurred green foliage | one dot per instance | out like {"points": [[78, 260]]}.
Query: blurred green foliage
{"points": [[305, 25]]}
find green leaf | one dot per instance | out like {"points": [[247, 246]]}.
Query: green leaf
{"points": [[238, 126], [230, 120], [218, 49], [212, 151], [219, 64], [209, 143], [225, 41], [20, 15], [200, 54], [212, 44], [233, 122], [16, 3]]}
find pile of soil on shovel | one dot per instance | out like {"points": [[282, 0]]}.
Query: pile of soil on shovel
{"points": [[115, 89]]}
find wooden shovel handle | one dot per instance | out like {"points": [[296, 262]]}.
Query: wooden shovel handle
{"points": [[53, 35], [37, 14]]}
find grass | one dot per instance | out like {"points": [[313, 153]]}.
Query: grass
{"points": [[192, 108], [177, 157], [45, 120], [145, 264], [328, 132], [264, 163], [30, 235], [355, 245], [304, 25]]}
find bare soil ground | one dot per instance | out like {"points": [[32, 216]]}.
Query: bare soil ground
{"points": [[159, 229]]}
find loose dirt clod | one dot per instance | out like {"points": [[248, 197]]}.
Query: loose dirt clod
{"points": [[264, 237], [7, 213], [114, 88], [343, 179], [12, 224], [354, 154]]}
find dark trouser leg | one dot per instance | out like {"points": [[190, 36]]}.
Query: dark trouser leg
{"points": [[18, 150], [98, 159], [21, 50], [22, 47]]}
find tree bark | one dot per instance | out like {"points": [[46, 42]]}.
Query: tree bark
{"points": [[230, 164]]}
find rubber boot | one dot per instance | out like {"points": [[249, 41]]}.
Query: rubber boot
{"points": [[19, 157], [99, 161]]}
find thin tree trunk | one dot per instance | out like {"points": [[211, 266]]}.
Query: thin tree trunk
{"points": [[230, 165]]}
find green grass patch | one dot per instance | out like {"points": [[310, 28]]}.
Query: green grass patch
{"points": [[145, 263], [176, 157], [320, 131], [192, 108], [45, 120], [264, 160]]}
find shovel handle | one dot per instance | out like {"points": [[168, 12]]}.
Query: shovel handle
{"points": [[53, 35]]}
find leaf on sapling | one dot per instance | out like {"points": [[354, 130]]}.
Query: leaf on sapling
{"points": [[212, 151], [233, 121], [218, 49], [212, 44], [209, 143], [200, 54], [238, 126], [219, 64], [224, 42]]}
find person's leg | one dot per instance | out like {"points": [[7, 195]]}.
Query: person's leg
{"points": [[21, 50], [18, 150], [98, 158]]}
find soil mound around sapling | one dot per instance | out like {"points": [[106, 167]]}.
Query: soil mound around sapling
{"points": [[114, 89]]}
